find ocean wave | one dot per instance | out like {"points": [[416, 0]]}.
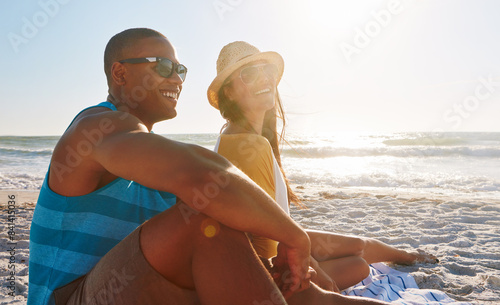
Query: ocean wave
{"points": [[382, 180], [461, 162], [329, 152], [29, 139], [20, 181], [443, 139], [205, 140], [426, 141], [13, 151]]}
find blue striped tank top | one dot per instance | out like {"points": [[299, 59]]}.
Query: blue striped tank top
{"points": [[69, 235]]}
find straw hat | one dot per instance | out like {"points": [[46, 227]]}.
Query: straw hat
{"points": [[231, 58]]}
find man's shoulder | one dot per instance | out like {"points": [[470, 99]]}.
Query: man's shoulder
{"points": [[100, 121], [75, 155], [92, 127]]}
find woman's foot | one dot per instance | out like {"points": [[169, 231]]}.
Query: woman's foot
{"points": [[424, 257], [420, 256]]}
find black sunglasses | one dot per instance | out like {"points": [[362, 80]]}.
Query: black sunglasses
{"points": [[165, 66]]}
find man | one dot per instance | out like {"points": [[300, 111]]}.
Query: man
{"points": [[107, 228]]}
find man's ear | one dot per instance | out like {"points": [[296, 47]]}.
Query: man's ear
{"points": [[117, 73]]}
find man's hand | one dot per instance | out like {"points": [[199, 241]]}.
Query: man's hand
{"points": [[291, 270]]}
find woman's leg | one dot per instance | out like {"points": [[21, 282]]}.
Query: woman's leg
{"points": [[377, 251], [327, 246], [346, 271], [317, 296]]}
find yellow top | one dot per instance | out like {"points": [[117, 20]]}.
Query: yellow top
{"points": [[253, 155]]}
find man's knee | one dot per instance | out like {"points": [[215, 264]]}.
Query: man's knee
{"points": [[183, 224], [208, 230]]}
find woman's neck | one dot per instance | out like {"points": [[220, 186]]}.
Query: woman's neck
{"points": [[251, 122], [244, 127]]}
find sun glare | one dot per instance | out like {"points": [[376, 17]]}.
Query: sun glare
{"points": [[332, 14]]}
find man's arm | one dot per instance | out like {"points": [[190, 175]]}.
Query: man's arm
{"points": [[201, 178]]}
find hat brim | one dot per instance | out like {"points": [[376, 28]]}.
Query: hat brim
{"points": [[213, 89]]}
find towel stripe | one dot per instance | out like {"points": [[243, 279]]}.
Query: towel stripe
{"points": [[390, 285]]}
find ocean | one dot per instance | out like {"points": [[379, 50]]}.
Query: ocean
{"points": [[453, 164]]}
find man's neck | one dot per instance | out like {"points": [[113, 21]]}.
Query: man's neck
{"points": [[123, 106]]}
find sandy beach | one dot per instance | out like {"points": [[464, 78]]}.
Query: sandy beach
{"points": [[464, 235], [14, 244]]}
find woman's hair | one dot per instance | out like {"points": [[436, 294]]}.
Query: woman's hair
{"points": [[232, 113]]}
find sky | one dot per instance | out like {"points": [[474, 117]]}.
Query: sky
{"points": [[350, 65]]}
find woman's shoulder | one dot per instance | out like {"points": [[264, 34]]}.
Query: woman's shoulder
{"points": [[245, 138], [245, 146]]}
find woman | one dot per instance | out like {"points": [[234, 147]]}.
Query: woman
{"points": [[245, 92]]}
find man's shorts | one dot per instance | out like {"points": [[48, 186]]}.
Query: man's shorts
{"points": [[124, 276]]}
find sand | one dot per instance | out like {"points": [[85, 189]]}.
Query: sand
{"points": [[14, 254], [464, 234]]}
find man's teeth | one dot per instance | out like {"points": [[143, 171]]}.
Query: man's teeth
{"points": [[169, 94], [262, 91]]}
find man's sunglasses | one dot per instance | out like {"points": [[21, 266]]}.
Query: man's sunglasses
{"points": [[165, 66], [250, 74]]}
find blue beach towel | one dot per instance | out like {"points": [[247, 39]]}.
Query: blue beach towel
{"points": [[387, 284]]}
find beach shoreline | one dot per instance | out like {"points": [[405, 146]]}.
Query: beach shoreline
{"points": [[463, 233]]}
